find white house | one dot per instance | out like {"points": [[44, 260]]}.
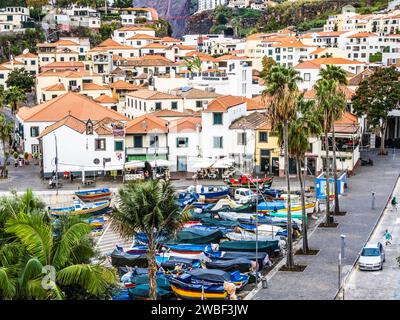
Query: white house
{"points": [[217, 138], [184, 143], [31, 122], [82, 147], [13, 17]]}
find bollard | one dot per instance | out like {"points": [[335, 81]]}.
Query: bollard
{"points": [[373, 200], [264, 282]]}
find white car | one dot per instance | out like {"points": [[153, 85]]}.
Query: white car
{"points": [[243, 195], [372, 257]]}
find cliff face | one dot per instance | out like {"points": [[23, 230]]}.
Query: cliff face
{"points": [[175, 11], [274, 18]]}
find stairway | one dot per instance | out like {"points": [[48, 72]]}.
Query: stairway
{"points": [[109, 239]]}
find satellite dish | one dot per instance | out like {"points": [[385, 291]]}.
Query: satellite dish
{"points": [[25, 51]]}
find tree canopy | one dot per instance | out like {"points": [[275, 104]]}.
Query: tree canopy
{"points": [[21, 79]]}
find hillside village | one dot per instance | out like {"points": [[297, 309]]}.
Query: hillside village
{"points": [[189, 100]]}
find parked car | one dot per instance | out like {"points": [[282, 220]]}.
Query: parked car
{"points": [[372, 257], [243, 195]]}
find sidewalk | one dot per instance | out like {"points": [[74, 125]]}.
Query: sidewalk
{"points": [[320, 279], [385, 284]]}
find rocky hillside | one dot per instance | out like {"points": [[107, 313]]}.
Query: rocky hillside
{"points": [[175, 11], [304, 14]]}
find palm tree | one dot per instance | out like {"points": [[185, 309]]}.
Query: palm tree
{"points": [[194, 64], [14, 96], [6, 128], [329, 98], [37, 245], [332, 72], [281, 86], [149, 207], [305, 126]]}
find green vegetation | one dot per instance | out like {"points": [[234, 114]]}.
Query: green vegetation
{"points": [[42, 258], [377, 57], [15, 43], [21, 79], [162, 27]]}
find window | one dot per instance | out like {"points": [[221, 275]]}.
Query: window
{"points": [[1, 75], [241, 138], [33, 62], [158, 105], [9, 18], [34, 132], [262, 136], [35, 148], [218, 142], [118, 145], [199, 104], [182, 142], [174, 105], [217, 118], [100, 144], [138, 141], [154, 141]]}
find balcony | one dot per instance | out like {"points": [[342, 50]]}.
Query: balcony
{"points": [[147, 150], [100, 60]]}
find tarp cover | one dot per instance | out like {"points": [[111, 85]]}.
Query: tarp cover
{"points": [[213, 275], [238, 264]]}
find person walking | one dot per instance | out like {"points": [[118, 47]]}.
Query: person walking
{"points": [[394, 204], [388, 237]]}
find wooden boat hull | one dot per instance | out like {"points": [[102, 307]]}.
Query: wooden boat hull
{"points": [[190, 292], [94, 195], [101, 209]]}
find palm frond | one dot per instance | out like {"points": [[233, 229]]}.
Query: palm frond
{"points": [[95, 279], [7, 285]]}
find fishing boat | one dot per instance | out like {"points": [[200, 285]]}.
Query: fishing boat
{"points": [[94, 195], [185, 289], [120, 258], [234, 216], [184, 263], [237, 264], [219, 276], [218, 221], [247, 181], [223, 229], [142, 291], [272, 230], [271, 206], [186, 248], [231, 205], [295, 210], [247, 235], [209, 193], [270, 246], [80, 208], [231, 255], [197, 236]]}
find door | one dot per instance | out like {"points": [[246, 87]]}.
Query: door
{"points": [[265, 160], [181, 164]]}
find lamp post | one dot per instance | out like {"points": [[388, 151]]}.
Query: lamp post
{"points": [[56, 163]]}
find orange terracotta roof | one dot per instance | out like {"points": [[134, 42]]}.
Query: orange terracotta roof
{"points": [[123, 85], [15, 62], [146, 94], [169, 113], [93, 86], [66, 43], [147, 123], [348, 93], [65, 64], [291, 44], [330, 33], [109, 43], [154, 46], [105, 99], [70, 103], [316, 63], [66, 73], [229, 57], [141, 37], [363, 35], [4, 68], [134, 28], [170, 39], [256, 103], [55, 87], [27, 55], [186, 124], [318, 50], [224, 103], [347, 124], [69, 121], [202, 56]]}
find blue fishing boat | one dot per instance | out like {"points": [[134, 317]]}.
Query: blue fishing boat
{"points": [[197, 236], [187, 248], [271, 206], [209, 193], [79, 208], [185, 263], [94, 195]]}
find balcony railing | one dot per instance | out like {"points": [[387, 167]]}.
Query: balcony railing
{"points": [[147, 150]]}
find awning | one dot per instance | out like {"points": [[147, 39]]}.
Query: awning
{"points": [[223, 163], [134, 164], [160, 163]]}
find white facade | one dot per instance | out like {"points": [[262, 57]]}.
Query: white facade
{"points": [[13, 17], [77, 152], [217, 139], [210, 4]]}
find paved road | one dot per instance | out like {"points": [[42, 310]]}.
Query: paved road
{"points": [[385, 284], [319, 280]]}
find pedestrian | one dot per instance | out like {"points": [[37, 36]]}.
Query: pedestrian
{"points": [[394, 204], [388, 237]]}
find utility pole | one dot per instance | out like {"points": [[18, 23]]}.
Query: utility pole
{"points": [[56, 162]]}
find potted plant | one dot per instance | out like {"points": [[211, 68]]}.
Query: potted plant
{"points": [[26, 156], [16, 156], [36, 157]]}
